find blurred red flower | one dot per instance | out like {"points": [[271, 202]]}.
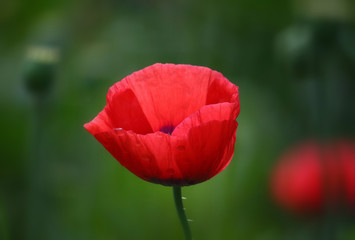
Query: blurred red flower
{"points": [[312, 176], [170, 124]]}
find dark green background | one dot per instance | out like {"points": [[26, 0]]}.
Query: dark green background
{"points": [[294, 62]]}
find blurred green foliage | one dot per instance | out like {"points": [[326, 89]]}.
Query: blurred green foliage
{"points": [[296, 73]]}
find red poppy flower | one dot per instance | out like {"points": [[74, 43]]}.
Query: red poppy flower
{"points": [[170, 124], [313, 175]]}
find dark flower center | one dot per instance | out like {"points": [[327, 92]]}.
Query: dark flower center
{"points": [[167, 129]]}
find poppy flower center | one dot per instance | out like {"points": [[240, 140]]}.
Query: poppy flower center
{"points": [[168, 129]]}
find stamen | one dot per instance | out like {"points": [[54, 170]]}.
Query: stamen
{"points": [[167, 129]]}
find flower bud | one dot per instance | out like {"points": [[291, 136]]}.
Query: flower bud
{"points": [[39, 68]]}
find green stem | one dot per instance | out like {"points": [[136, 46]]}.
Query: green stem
{"points": [[181, 212]]}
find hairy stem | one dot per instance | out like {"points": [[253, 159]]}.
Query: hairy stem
{"points": [[181, 212]]}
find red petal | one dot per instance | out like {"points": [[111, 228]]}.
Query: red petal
{"points": [[298, 180], [169, 93], [207, 151], [125, 112], [150, 156], [219, 112], [347, 156], [101, 123], [168, 160], [221, 90], [122, 111]]}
